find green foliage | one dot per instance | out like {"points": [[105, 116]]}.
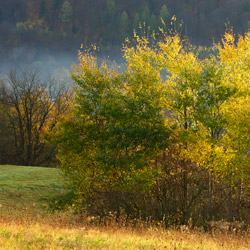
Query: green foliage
{"points": [[164, 14], [33, 26], [204, 21], [117, 126], [146, 15], [62, 201], [153, 22], [66, 12], [124, 23], [141, 142], [136, 21], [110, 5]]}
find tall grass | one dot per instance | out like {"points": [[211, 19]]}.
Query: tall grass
{"points": [[25, 223], [59, 233]]}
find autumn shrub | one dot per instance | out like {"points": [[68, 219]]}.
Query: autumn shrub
{"points": [[143, 143]]}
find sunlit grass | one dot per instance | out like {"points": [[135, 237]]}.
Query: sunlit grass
{"points": [[43, 236], [26, 224]]}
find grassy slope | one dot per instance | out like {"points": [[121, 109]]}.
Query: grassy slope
{"points": [[21, 190], [24, 188]]}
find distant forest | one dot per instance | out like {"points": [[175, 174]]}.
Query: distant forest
{"points": [[106, 23]]}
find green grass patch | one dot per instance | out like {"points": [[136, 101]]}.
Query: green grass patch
{"points": [[23, 188]]}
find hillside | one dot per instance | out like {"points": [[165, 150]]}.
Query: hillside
{"points": [[26, 188], [67, 24]]}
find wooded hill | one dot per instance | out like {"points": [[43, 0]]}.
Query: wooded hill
{"points": [[63, 23]]}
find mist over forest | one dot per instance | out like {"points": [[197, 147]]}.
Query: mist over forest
{"points": [[48, 62], [48, 33]]}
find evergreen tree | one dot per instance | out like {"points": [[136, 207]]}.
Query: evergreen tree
{"points": [[136, 21], [124, 23], [146, 15], [66, 11], [164, 13], [153, 22], [110, 5]]}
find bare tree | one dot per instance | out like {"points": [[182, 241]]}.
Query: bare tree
{"points": [[31, 107]]}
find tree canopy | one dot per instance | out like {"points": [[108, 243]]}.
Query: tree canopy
{"points": [[163, 137]]}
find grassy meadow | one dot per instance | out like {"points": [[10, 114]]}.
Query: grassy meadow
{"points": [[26, 188], [26, 224]]}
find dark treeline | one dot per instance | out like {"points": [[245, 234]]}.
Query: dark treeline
{"points": [[30, 106], [62, 23]]}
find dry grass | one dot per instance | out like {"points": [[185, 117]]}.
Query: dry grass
{"points": [[61, 231], [24, 226]]}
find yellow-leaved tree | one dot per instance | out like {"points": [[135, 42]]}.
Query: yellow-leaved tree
{"points": [[166, 136]]}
